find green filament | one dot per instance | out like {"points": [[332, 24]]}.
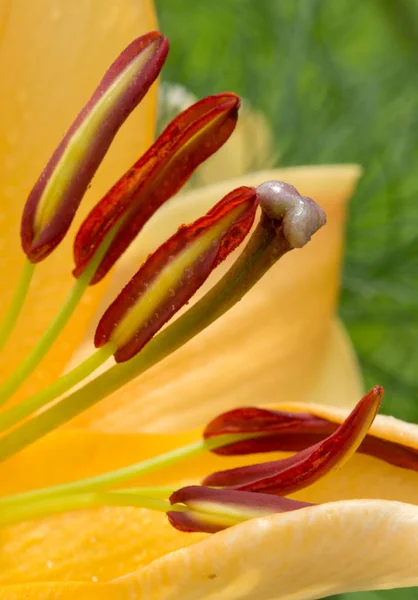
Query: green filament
{"points": [[14, 514], [30, 405], [118, 476], [17, 302], [32, 360], [264, 249]]}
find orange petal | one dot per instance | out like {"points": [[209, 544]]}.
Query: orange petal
{"points": [[101, 543], [51, 58], [276, 344], [58, 591], [89, 545]]}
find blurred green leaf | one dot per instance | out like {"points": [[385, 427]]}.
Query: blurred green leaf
{"points": [[406, 594]]}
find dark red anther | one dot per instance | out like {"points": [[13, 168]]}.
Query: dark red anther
{"points": [[53, 201], [291, 474], [211, 510], [171, 275], [188, 140], [294, 431]]}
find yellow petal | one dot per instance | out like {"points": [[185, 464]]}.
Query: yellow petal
{"points": [[277, 344], [89, 545], [52, 56], [58, 591], [302, 555], [338, 381], [101, 543]]}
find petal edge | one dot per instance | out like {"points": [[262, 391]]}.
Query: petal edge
{"points": [[370, 544]]}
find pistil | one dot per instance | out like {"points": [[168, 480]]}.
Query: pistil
{"points": [[266, 246]]}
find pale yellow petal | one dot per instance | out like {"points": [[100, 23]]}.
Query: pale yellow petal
{"points": [[52, 56], [338, 381], [277, 344], [302, 555]]}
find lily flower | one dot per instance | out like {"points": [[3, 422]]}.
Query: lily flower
{"points": [[83, 512]]}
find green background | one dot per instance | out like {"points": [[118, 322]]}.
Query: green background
{"points": [[338, 83]]}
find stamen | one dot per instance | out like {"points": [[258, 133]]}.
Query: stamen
{"points": [[291, 474], [293, 431], [118, 476], [53, 202], [14, 514], [32, 360], [209, 510], [161, 287], [277, 425], [111, 226]]}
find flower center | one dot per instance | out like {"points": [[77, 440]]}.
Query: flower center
{"points": [[130, 329]]}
